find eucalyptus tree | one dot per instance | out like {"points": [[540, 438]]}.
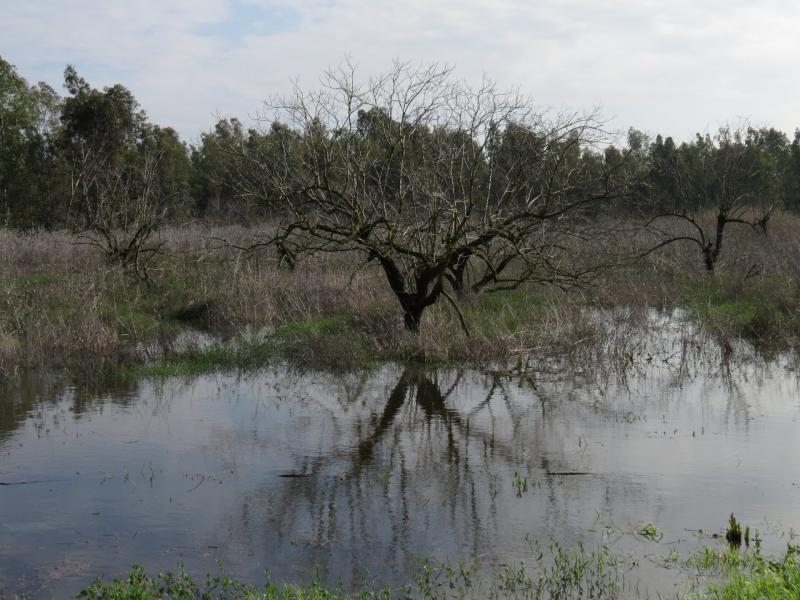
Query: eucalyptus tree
{"points": [[28, 164], [174, 171], [425, 175], [214, 186], [780, 164]]}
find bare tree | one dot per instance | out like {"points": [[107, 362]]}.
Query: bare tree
{"points": [[724, 176], [428, 177], [120, 210], [119, 190]]}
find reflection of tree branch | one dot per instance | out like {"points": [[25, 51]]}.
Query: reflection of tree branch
{"points": [[485, 402], [396, 400], [454, 385], [418, 457]]}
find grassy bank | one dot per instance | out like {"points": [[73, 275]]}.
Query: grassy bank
{"points": [[730, 574], [748, 575], [61, 305]]}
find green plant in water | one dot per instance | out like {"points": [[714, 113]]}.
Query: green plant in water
{"points": [[520, 484], [560, 574], [176, 585], [751, 576], [651, 532], [734, 533]]}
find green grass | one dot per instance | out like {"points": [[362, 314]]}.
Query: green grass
{"points": [[554, 574], [749, 575], [763, 311], [328, 342], [559, 575], [199, 361], [312, 327], [138, 585], [63, 318], [331, 341], [508, 311], [36, 280], [131, 319], [143, 311]]}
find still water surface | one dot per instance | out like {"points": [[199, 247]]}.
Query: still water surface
{"points": [[359, 475]]}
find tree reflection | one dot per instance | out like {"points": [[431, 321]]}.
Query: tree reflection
{"points": [[428, 471]]}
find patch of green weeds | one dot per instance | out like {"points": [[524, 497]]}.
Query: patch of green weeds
{"points": [[330, 343], [749, 575], [179, 586], [130, 319], [37, 280], [651, 532], [510, 311], [765, 312], [335, 342], [199, 361], [520, 484], [553, 573], [734, 534]]}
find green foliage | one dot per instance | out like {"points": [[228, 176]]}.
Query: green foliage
{"points": [[29, 169], [57, 153], [175, 171], [108, 122], [43, 137]]}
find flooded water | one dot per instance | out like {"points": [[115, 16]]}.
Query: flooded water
{"points": [[358, 476]]}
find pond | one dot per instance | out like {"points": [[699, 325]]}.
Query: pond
{"points": [[354, 477]]}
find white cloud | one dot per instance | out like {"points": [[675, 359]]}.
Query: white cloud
{"points": [[672, 67]]}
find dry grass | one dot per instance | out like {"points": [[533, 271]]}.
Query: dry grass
{"points": [[61, 305]]}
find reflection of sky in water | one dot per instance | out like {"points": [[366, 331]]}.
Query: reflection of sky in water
{"points": [[389, 466]]}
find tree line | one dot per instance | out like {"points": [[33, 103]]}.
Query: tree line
{"points": [[447, 188], [52, 144]]}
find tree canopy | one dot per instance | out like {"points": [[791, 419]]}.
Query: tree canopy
{"points": [[426, 176]]}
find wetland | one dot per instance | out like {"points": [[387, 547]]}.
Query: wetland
{"points": [[356, 477]]}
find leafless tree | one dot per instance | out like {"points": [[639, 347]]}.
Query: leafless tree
{"points": [[723, 176], [441, 184], [119, 209]]}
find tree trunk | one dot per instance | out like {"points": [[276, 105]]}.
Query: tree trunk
{"points": [[458, 274], [711, 251], [413, 303], [708, 258], [412, 318], [763, 221]]}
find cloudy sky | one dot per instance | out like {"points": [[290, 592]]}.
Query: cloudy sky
{"points": [[673, 66]]}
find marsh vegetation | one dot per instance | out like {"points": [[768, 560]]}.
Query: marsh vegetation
{"points": [[207, 305], [392, 339], [487, 228]]}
